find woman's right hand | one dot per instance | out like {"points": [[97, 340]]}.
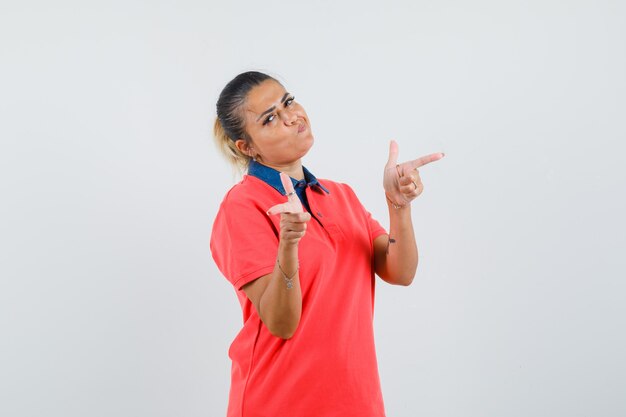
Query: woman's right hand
{"points": [[293, 218], [277, 296]]}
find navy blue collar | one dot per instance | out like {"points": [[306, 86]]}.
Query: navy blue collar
{"points": [[272, 177]]}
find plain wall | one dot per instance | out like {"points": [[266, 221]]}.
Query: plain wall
{"points": [[110, 303]]}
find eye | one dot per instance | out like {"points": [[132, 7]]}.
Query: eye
{"points": [[268, 119], [290, 101]]}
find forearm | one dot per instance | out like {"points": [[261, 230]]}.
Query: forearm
{"points": [[280, 306], [400, 263]]}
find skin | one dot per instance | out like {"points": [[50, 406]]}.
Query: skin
{"points": [[396, 255], [279, 139], [275, 140]]}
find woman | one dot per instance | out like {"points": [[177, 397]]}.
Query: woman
{"points": [[302, 254]]}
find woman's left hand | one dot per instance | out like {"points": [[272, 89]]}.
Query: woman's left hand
{"points": [[402, 182]]}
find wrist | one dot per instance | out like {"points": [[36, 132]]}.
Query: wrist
{"points": [[288, 248], [396, 207]]}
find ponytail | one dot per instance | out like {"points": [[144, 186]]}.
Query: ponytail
{"points": [[227, 147]]}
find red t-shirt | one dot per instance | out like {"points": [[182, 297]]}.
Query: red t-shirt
{"points": [[328, 368]]}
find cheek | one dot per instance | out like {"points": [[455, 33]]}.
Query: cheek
{"points": [[267, 139]]}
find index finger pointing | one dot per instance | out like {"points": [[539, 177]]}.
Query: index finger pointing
{"points": [[419, 162]]}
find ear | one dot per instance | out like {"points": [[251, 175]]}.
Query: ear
{"points": [[243, 146]]}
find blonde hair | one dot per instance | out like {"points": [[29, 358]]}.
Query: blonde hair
{"points": [[227, 147]]}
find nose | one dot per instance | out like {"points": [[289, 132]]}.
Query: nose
{"points": [[289, 116]]}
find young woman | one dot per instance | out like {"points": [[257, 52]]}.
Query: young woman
{"points": [[302, 254]]}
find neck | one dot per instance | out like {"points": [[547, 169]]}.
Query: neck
{"points": [[294, 169]]}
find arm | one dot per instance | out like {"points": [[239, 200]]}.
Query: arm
{"points": [[277, 296], [396, 255]]}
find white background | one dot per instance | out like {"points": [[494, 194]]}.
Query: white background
{"points": [[110, 304]]}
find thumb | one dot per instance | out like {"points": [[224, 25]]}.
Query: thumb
{"points": [[393, 154]]}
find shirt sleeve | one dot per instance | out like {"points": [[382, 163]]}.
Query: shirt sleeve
{"points": [[375, 228], [244, 242]]}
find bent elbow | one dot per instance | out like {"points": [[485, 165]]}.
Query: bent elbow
{"points": [[407, 281], [284, 330], [284, 333]]}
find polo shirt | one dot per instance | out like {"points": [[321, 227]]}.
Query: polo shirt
{"points": [[272, 177], [328, 368]]}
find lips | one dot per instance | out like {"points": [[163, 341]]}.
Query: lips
{"points": [[301, 128]]}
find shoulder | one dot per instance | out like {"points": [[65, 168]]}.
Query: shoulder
{"points": [[244, 209]]}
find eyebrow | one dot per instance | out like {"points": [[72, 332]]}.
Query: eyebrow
{"points": [[271, 109]]}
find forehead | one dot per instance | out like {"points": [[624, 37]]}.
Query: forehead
{"points": [[263, 96]]}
